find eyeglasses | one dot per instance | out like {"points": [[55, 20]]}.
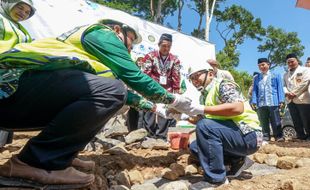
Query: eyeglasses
{"points": [[195, 76]]}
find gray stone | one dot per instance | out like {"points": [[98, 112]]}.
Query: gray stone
{"points": [[191, 169], [117, 150], [157, 144], [171, 175], [116, 126], [135, 177], [122, 178], [286, 162], [146, 186], [136, 135], [259, 157], [271, 159], [107, 143], [119, 187], [176, 185], [178, 169]]}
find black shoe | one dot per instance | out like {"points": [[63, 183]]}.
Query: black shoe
{"points": [[239, 166]]}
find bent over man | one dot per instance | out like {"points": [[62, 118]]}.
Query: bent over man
{"points": [[68, 87]]}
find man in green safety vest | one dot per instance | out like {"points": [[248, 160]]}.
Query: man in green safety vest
{"points": [[70, 87], [227, 129]]}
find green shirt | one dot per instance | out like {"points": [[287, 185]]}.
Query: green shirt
{"points": [[109, 50]]}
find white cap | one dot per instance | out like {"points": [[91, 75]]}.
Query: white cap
{"points": [[199, 67], [125, 25]]}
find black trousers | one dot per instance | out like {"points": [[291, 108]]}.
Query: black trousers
{"points": [[134, 119], [301, 119], [157, 126], [270, 114], [71, 105]]}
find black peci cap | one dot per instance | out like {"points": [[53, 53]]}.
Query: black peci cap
{"points": [[261, 60]]}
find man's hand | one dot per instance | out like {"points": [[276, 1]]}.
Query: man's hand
{"points": [[161, 110], [181, 103], [196, 109], [281, 105], [164, 112], [254, 107], [195, 119], [290, 95]]}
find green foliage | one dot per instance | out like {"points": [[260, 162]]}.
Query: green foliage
{"points": [[278, 44], [142, 8], [200, 9], [198, 33], [234, 25], [124, 5]]}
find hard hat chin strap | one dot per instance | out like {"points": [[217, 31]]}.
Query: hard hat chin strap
{"points": [[201, 88], [125, 37]]}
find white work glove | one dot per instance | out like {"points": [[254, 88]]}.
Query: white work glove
{"points": [[179, 116], [196, 109], [181, 103], [163, 111]]}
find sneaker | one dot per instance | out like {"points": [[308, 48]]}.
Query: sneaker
{"points": [[83, 164], [14, 168], [204, 185], [240, 166]]}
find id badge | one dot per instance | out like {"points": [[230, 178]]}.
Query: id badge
{"points": [[163, 80]]}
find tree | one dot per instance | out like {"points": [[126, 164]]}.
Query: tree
{"points": [[243, 79], [180, 8], [125, 5], [234, 25], [204, 8], [153, 10], [278, 44]]}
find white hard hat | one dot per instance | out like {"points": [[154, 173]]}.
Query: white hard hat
{"points": [[199, 67], [128, 26]]}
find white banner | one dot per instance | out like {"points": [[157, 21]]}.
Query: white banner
{"points": [[54, 17]]}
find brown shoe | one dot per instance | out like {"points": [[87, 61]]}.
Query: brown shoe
{"points": [[85, 165], [17, 169]]}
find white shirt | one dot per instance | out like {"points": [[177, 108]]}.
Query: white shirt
{"points": [[297, 82]]}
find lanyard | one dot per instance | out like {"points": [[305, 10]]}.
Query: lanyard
{"points": [[163, 66]]}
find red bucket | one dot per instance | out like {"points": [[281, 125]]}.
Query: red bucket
{"points": [[178, 140]]}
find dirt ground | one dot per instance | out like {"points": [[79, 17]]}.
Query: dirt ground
{"points": [[151, 162]]}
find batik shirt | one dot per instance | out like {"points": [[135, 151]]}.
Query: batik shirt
{"points": [[168, 69]]}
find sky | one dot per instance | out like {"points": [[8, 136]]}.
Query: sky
{"points": [[278, 13]]}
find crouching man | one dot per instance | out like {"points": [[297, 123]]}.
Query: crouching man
{"points": [[227, 128]]}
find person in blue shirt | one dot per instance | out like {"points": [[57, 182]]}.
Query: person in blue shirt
{"points": [[267, 99]]}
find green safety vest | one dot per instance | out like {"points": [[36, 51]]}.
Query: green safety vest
{"points": [[63, 52], [11, 34], [248, 117]]}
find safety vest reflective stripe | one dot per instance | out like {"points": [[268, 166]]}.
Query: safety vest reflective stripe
{"points": [[64, 52]]}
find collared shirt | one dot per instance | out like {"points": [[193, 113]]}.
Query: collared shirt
{"points": [[297, 81], [267, 90], [156, 67], [224, 74]]}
